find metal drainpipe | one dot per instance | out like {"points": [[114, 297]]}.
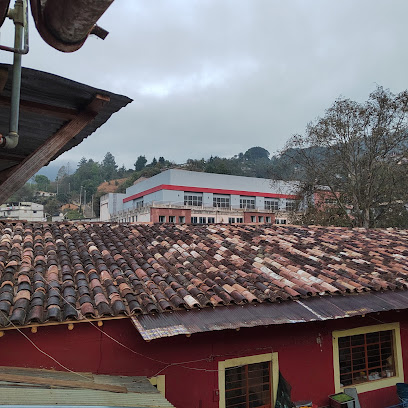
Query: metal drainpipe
{"points": [[19, 17]]}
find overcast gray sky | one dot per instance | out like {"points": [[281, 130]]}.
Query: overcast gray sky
{"points": [[215, 77]]}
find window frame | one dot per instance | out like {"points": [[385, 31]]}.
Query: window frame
{"points": [[190, 198], [290, 205], [241, 361], [159, 381], [221, 201], [374, 384], [247, 203], [272, 204]]}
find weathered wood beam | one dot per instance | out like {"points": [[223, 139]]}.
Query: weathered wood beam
{"points": [[41, 108], [27, 379], [40, 157]]}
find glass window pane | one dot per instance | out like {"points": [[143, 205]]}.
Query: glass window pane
{"points": [[366, 357]]}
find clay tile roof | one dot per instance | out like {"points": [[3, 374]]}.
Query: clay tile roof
{"points": [[62, 272]]}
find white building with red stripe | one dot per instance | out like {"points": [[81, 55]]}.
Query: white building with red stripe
{"points": [[180, 196]]}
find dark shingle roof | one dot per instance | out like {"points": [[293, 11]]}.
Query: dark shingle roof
{"points": [[67, 271]]}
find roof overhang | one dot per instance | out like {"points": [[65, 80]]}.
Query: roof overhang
{"points": [[288, 312], [56, 114]]}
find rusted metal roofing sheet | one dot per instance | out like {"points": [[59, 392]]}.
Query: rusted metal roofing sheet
{"points": [[298, 311]]}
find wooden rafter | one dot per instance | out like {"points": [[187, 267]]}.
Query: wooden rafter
{"points": [[41, 108], [40, 157]]}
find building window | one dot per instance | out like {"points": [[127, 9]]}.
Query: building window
{"points": [[172, 218], [272, 205], [260, 218], [194, 220], [368, 358], [202, 220], [211, 220], [268, 220], [240, 220], [138, 203], [280, 221], [253, 218], [222, 202], [248, 382], [247, 203], [182, 220], [193, 200], [162, 218], [290, 205], [231, 220]]}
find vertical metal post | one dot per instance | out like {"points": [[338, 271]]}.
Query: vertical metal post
{"points": [[18, 17]]}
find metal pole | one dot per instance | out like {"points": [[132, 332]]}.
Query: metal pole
{"points": [[18, 15]]}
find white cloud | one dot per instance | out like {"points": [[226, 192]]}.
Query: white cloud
{"points": [[219, 76]]}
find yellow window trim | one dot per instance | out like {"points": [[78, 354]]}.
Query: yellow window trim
{"points": [[160, 382], [240, 361], [370, 385]]}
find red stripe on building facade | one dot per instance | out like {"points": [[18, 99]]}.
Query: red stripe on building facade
{"points": [[206, 190]]}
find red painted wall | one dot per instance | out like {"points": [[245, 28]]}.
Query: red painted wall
{"points": [[247, 217], [156, 212], [320, 198], [190, 364]]}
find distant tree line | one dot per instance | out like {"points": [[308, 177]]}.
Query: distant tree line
{"points": [[355, 156]]}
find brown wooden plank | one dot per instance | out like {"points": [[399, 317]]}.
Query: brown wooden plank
{"points": [[41, 108], [49, 149], [26, 379], [44, 373]]}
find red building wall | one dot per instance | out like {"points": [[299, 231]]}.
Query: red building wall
{"points": [[247, 217], [156, 212], [190, 363]]}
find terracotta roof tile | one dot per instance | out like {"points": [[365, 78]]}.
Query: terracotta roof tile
{"points": [[67, 271]]}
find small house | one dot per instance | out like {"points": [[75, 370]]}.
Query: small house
{"points": [[213, 315]]}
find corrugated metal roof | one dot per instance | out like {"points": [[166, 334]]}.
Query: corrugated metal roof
{"points": [[141, 394], [47, 397], [52, 90], [296, 311]]}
